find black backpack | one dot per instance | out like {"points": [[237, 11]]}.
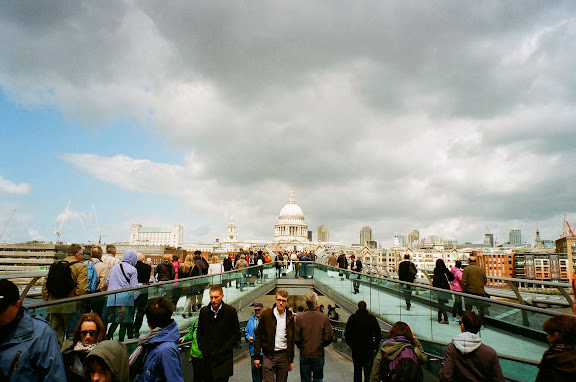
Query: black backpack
{"points": [[59, 282]]}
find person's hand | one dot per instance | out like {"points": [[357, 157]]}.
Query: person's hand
{"points": [[181, 339], [250, 339], [291, 367], [257, 362]]}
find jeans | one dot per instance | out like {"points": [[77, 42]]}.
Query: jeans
{"points": [[362, 364], [256, 371], [407, 294], [311, 369]]}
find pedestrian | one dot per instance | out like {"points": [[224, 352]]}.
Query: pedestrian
{"points": [[407, 272], [467, 358], [442, 279], [121, 304], [143, 271], [228, 266], [399, 357], [66, 278], [356, 266], [176, 287], [90, 330], [275, 340], [249, 335], [342, 265], [455, 286], [29, 348], [192, 291], [108, 362], [215, 267], [195, 353], [363, 336], [559, 360], [312, 333], [473, 281], [218, 334], [241, 265], [332, 261], [157, 357]]}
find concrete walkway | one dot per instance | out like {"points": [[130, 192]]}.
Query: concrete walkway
{"points": [[336, 368]]}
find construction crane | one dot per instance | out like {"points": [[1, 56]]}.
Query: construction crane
{"points": [[6, 225], [97, 225], [570, 231], [59, 232]]}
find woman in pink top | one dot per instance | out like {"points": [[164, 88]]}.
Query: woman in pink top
{"points": [[455, 285]]}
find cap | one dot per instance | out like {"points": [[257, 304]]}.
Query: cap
{"points": [[9, 294], [258, 306]]}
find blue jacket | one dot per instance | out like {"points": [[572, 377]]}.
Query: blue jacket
{"points": [[249, 332], [162, 359], [116, 280], [37, 348]]}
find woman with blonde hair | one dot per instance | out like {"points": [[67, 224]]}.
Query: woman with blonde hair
{"points": [[399, 357], [215, 267], [189, 269]]}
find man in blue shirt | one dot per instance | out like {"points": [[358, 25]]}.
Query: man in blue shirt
{"points": [[249, 335]]}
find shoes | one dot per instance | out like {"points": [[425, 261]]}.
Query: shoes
{"points": [[183, 315], [407, 308], [444, 322]]}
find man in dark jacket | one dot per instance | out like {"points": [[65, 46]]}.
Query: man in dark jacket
{"points": [[356, 266], [29, 349], [275, 339], [342, 264], [363, 335], [144, 272], [312, 333], [228, 266], [407, 272], [467, 358], [200, 262], [218, 333]]}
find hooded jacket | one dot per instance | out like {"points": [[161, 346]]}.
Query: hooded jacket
{"points": [[162, 358], [114, 354], [33, 344], [468, 359], [389, 350], [558, 364], [455, 284], [117, 280]]}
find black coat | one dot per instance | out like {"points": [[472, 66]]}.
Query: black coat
{"points": [[362, 334], [144, 272], [342, 262], [217, 338], [165, 271], [404, 273], [442, 278]]}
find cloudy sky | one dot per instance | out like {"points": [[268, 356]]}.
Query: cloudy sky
{"points": [[449, 117]]}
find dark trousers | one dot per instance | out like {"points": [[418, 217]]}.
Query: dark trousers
{"points": [[311, 369], [256, 371], [407, 294], [361, 363], [457, 307], [139, 306], [275, 368], [356, 284], [198, 367]]}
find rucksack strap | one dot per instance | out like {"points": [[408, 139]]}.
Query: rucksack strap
{"points": [[124, 273]]}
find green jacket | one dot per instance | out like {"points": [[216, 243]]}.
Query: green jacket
{"points": [[473, 280], [194, 349]]}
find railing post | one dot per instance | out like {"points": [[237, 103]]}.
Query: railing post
{"points": [[566, 295], [28, 287]]}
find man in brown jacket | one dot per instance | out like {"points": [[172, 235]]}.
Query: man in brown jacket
{"points": [[473, 281], [275, 339], [60, 314], [312, 333]]}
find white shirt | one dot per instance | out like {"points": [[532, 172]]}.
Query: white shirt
{"points": [[280, 342]]}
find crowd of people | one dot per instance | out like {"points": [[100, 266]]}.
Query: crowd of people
{"points": [[32, 349]]}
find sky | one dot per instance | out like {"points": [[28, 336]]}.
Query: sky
{"points": [[453, 118]]}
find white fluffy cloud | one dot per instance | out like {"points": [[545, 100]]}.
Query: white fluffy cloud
{"points": [[9, 187]]}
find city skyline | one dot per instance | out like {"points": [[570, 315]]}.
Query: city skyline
{"points": [[396, 116]]}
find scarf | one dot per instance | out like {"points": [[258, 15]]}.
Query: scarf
{"points": [[143, 339], [80, 347]]}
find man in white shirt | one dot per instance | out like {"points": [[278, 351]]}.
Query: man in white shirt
{"points": [[275, 340]]}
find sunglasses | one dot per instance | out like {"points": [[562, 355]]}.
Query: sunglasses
{"points": [[86, 332]]}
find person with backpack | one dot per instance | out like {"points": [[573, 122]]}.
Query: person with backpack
{"points": [[121, 304], [363, 335], [96, 280], [399, 357], [66, 278], [442, 279], [407, 272], [467, 358]]}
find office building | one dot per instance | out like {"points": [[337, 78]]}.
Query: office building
{"points": [[515, 237], [323, 234], [365, 235]]}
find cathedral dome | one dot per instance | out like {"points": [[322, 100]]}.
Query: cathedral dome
{"points": [[291, 210], [291, 226]]}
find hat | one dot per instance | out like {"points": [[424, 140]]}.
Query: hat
{"points": [[258, 306], [197, 252], [9, 294]]}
